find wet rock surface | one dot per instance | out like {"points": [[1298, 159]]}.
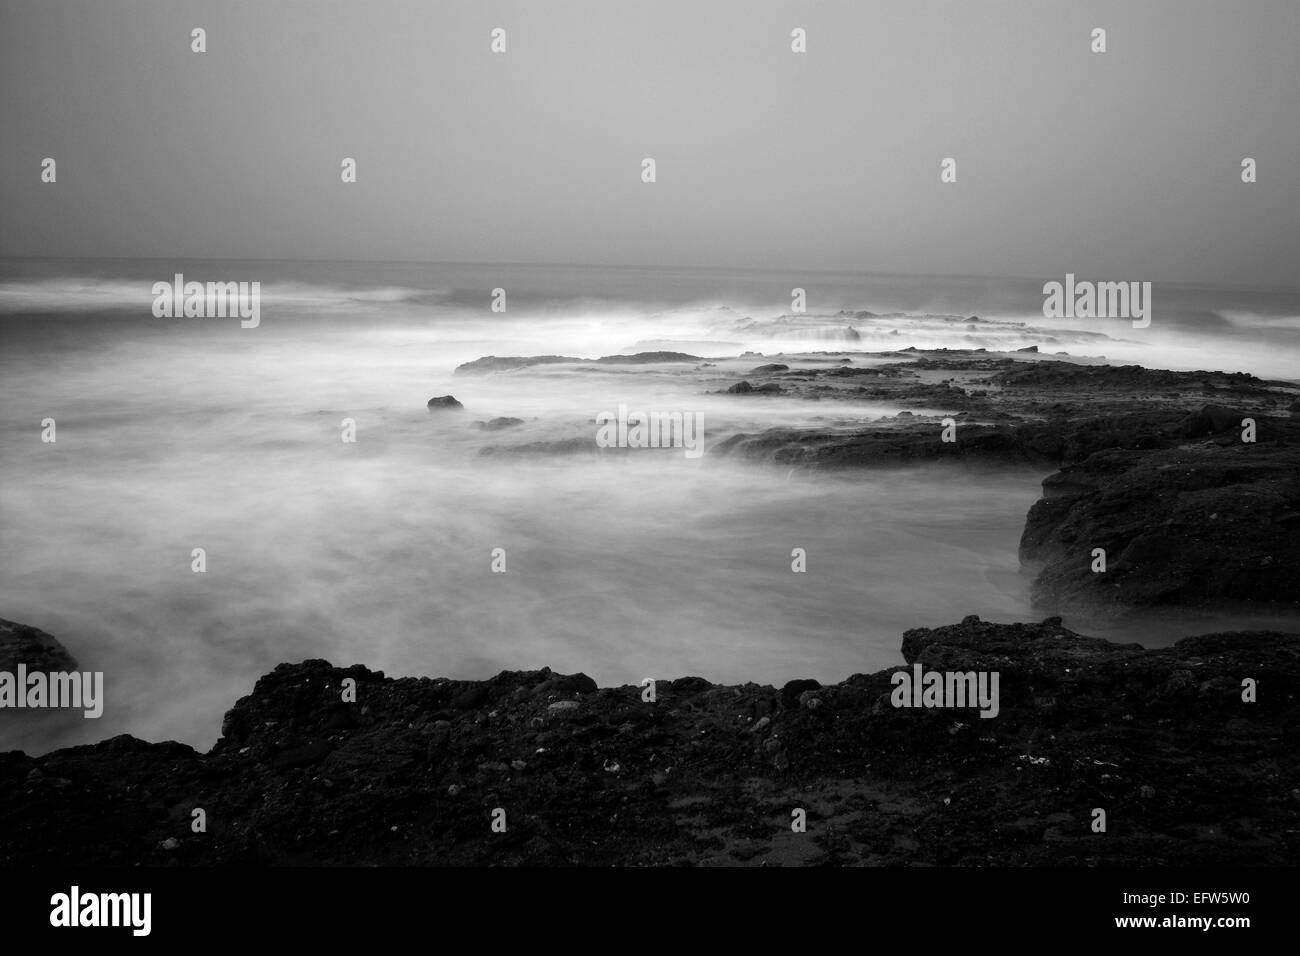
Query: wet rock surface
{"points": [[1195, 525], [20, 643], [494, 363], [1152, 466], [444, 402], [411, 772]]}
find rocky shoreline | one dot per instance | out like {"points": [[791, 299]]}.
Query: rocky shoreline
{"points": [[1188, 482], [414, 771]]}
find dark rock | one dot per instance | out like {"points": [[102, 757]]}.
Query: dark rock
{"points": [[604, 780], [444, 401], [740, 388], [792, 689], [1210, 420], [471, 698], [566, 684], [772, 367], [646, 358], [493, 363], [1190, 526], [22, 644]]}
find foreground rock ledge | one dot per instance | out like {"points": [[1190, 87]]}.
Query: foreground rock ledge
{"points": [[410, 773]]}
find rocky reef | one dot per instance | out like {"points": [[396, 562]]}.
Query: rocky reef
{"points": [[494, 363], [22, 644], [1203, 523], [1097, 753], [416, 770], [1189, 481]]}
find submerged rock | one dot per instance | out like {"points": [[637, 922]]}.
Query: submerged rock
{"points": [[646, 358], [497, 424], [493, 363]]}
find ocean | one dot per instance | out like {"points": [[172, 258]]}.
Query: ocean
{"points": [[182, 433]]}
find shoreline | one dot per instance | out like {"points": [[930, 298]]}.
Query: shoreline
{"points": [[411, 771], [1164, 741], [1188, 481]]}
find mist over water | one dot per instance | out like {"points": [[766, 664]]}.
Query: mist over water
{"points": [[175, 434]]}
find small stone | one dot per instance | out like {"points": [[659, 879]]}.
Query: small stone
{"points": [[170, 843]]}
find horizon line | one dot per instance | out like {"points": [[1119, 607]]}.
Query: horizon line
{"points": [[767, 270]]}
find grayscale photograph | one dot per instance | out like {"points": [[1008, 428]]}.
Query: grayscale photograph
{"points": [[696, 434]]}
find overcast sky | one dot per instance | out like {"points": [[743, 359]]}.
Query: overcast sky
{"points": [[1123, 165]]}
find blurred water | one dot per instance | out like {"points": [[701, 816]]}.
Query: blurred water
{"points": [[182, 433]]}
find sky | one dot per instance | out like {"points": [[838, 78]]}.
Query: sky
{"points": [[1120, 165]]}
